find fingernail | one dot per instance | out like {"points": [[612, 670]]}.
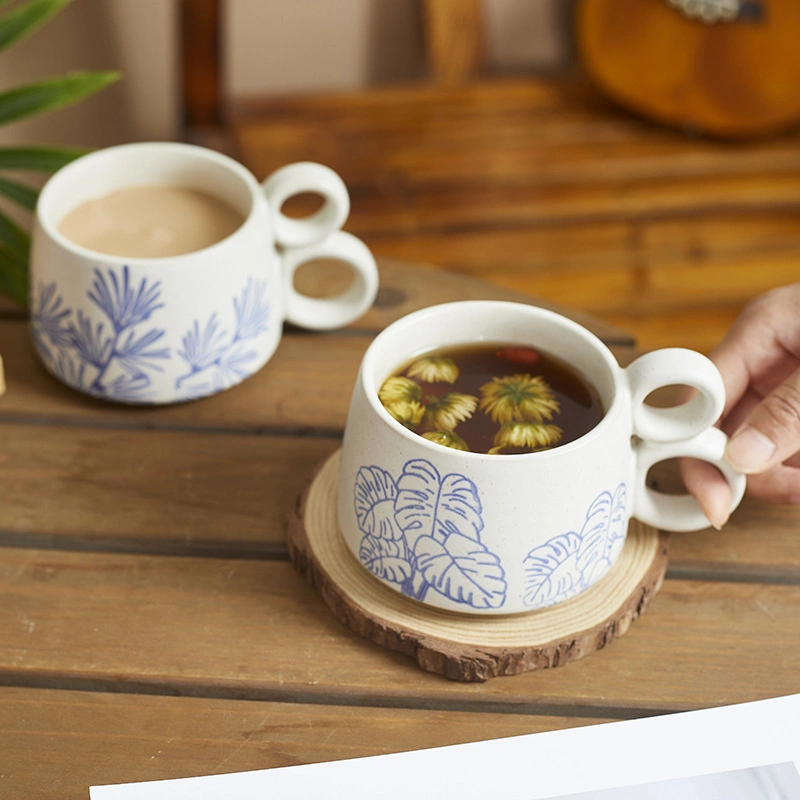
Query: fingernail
{"points": [[717, 515], [749, 450], [717, 520]]}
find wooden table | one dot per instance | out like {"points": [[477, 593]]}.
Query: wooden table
{"points": [[151, 625]]}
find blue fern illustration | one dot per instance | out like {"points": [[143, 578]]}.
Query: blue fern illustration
{"points": [[111, 359], [217, 359], [570, 562], [423, 532], [52, 323]]}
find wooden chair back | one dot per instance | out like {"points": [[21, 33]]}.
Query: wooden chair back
{"points": [[453, 36]]}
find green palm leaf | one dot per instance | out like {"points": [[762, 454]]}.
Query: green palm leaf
{"points": [[14, 238], [21, 194], [47, 95], [39, 159], [26, 18], [13, 276], [26, 101]]}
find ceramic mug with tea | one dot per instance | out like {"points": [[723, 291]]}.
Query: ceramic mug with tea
{"points": [[509, 531], [163, 272]]}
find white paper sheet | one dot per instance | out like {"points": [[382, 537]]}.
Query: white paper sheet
{"points": [[742, 752]]}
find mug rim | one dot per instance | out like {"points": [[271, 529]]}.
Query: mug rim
{"points": [[44, 219], [368, 369]]}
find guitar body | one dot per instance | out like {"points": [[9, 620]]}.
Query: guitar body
{"points": [[730, 79]]}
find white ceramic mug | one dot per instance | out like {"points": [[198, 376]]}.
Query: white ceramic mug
{"points": [[165, 330], [499, 534]]}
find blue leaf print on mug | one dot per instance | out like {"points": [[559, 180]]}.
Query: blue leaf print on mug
{"points": [[571, 562], [216, 358], [602, 535], [120, 302], [422, 533], [52, 322], [108, 359]]}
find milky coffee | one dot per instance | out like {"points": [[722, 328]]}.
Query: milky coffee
{"points": [[150, 221]]}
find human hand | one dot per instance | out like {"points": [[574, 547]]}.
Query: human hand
{"points": [[759, 360]]}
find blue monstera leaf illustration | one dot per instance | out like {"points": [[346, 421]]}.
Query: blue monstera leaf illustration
{"points": [[570, 562], [429, 505], [385, 558], [551, 574], [462, 569], [422, 532], [603, 534], [374, 496]]}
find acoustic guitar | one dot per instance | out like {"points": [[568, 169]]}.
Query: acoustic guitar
{"points": [[726, 68]]}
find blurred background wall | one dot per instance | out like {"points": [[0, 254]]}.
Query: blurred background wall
{"points": [[270, 47]]}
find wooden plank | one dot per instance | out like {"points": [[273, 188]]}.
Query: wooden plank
{"points": [[162, 492], [390, 103], [540, 187], [757, 543], [601, 268], [699, 329], [56, 744], [552, 120], [252, 629], [280, 395], [407, 287], [671, 282], [217, 493], [468, 142]]}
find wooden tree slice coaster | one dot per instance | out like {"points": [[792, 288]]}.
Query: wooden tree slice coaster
{"points": [[468, 647]]}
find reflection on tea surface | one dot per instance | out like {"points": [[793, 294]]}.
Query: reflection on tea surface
{"points": [[492, 398]]}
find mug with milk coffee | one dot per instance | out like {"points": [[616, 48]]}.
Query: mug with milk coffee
{"points": [[163, 272]]}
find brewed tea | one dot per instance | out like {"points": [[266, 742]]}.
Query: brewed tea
{"points": [[492, 398]]}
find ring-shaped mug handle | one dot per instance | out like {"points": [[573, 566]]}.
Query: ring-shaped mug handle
{"points": [[306, 176], [681, 512], [331, 312], [319, 236], [684, 431], [646, 374]]}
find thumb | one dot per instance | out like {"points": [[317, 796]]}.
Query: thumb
{"points": [[771, 433]]}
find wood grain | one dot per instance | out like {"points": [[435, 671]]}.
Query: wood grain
{"points": [[204, 491], [49, 738], [453, 39], [468, 647], [252, 629], [542, 186], [166, 491]]}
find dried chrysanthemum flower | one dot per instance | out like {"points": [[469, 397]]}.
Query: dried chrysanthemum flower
{"points": [[402, 398], [519, 398], [434, 369], [526, 435], [406, 412], [447, 439], [399, 388], [444, 413]]}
